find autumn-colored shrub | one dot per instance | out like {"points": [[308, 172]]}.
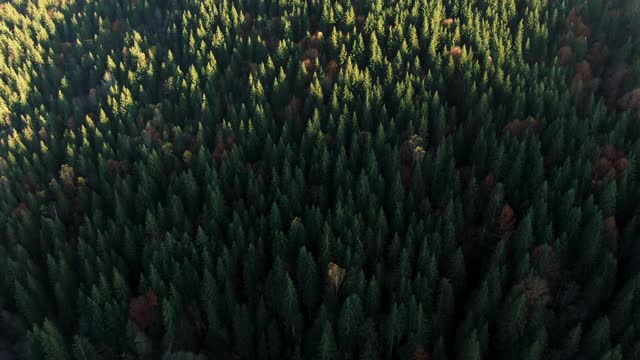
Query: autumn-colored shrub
{"points": [[141, 309], [583, 76], [621, 164], [574, 21], [113, 166], [218, 152], [630, 100], [311, 53], [487, 185], [612, 162], [231, 140], [565, 55], [611, 228], [517, 127], [456, 52], [506, 221], [603, 165], [335, 274], [536, 290], [316, 40], [153, 134], [421, 353], [583, 30], [332, 69], [19, 211], [67, 174], [309, 65]]}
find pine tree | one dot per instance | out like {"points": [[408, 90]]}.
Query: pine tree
{"points": [[350, 319], [83, 350], [471, 349], [597, 341], [52, 342], [327, 349], [243, 337], [445, 308]]}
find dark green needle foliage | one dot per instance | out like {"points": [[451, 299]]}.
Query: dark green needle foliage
{"points": [[320, 179]]}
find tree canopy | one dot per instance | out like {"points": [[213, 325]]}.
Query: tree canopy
{"points": [[320, 179]]}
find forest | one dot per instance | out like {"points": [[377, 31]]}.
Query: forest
{"points": [[320, 179]]}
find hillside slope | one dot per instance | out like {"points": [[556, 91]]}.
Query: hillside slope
{"points": [[320, 179]]}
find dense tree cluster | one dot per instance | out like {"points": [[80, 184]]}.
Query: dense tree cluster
{"points": [[320, 179]]}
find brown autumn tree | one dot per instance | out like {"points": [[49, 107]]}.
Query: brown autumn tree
{"points": [[545, 255], [583, 76], [611, 228], [611, 162], [335, 275], [536, 290], [309, 65], [506, 221], [517, 127], [332, 70], [487, 185], [456, 52], [630, 100], [621, 164], [316, 40], [141, 309], [421, 353], [565, 55]]}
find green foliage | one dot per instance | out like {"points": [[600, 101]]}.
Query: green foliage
{"points": [[319, 179], [52, 342], [83, 350]]}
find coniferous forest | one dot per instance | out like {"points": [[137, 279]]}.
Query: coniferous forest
{"points": [[320, 179]]}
